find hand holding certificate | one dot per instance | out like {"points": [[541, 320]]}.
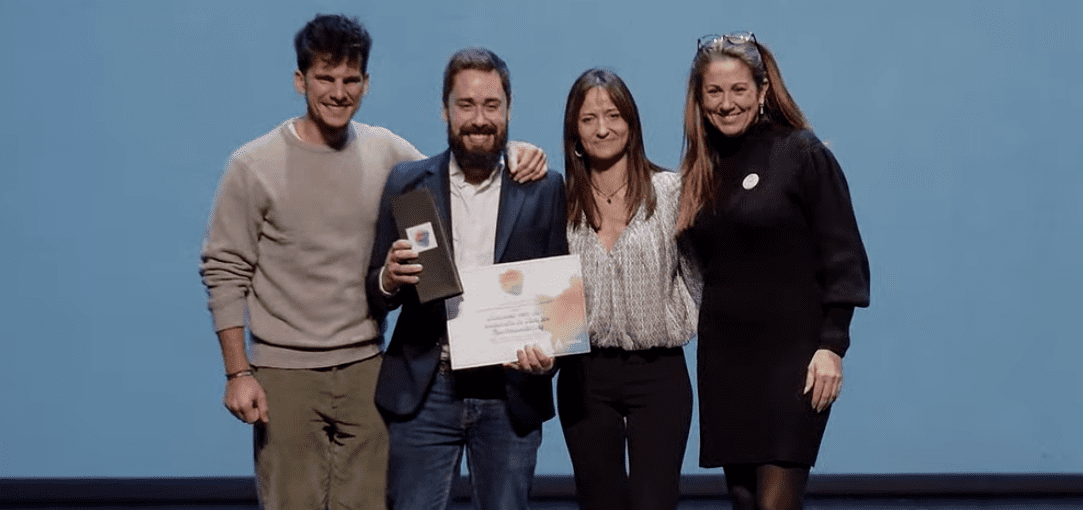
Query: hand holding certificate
{"points": [[508, 307]]}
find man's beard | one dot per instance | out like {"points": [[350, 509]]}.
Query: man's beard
{"points": [[477, 160]]}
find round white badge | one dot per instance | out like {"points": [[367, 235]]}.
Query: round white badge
{"points": [[751, 180]]}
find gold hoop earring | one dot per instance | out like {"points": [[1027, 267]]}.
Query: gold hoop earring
{"points": [[575, 150]]}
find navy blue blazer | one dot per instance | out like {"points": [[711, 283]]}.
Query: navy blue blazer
{"points": [[530, 224]]}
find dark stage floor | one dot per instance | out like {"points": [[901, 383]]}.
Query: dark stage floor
{"points": [[836, 492], [703, 504]]}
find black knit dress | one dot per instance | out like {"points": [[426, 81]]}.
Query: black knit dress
{"points": [[783, 268]]}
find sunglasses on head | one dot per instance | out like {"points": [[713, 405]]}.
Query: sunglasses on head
{"points": [[743, 42], [725, 41]]}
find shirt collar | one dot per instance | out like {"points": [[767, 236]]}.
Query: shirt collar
{"points": [[458, 178]]}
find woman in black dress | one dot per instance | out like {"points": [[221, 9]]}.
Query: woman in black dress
{"points": [[766, 210]]}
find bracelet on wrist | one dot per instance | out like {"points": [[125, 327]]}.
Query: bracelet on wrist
{"points": [[239, 373]]}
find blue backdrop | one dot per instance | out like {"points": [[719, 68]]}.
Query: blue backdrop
{"points": [[957, 123]]}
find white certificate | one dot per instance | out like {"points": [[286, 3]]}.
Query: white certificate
{"points": [[506, 307]]}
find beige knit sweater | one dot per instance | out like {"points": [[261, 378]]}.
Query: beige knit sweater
{"points": [[289, 241]]}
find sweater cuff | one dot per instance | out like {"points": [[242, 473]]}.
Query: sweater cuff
{"points": [[229, 316], [835, 335]]}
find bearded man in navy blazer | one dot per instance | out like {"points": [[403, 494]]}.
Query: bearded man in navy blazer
{"points": [[494, 413]]}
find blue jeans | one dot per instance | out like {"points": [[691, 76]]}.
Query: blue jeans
{"points": [[427, 449]]}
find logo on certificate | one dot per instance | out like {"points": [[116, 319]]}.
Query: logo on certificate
{"points": [[421, 237], [512, 282]]}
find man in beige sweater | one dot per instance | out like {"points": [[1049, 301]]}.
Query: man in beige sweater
{"points": [[286, 251]]}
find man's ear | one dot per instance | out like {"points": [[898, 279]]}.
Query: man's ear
{"points": [[364, 85], [299, 81]]}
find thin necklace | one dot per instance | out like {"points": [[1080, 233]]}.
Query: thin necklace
{"points": [[609, 197]]}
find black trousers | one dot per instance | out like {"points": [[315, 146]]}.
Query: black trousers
{"points": [[612, 398]]}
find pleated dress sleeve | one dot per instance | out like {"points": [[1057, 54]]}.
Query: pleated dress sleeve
{"points": [[844, 265]]}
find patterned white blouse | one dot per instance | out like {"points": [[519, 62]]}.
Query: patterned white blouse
{"points": [[637, 294]]}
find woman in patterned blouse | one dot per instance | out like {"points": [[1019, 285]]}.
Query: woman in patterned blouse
{"points": [[632, 390]]}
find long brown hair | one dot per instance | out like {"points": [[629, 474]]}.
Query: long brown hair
{"points": [[697, 161], [577, 167]]}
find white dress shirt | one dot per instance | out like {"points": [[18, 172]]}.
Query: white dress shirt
{"points": [[474, 208]]}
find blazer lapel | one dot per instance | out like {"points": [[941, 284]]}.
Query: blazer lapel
{"points": [[439, 182], [512, 195]]}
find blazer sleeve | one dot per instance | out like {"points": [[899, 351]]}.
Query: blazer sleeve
{"points": [[844, 264], [530, 397], [558, 233]]}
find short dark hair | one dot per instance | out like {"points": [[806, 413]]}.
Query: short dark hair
{"points": [[335, 37], [480, 59]]}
